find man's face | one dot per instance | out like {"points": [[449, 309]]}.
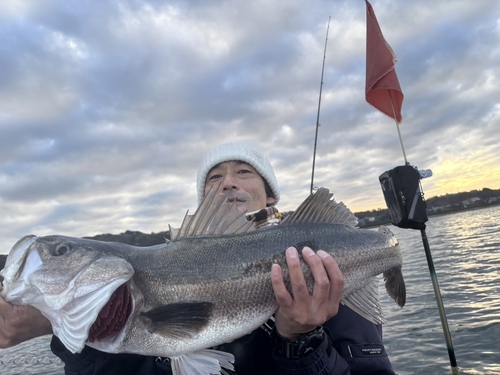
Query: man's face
{"points": [[246, 185]]}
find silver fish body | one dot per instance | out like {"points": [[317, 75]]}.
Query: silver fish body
{"points": [[200, 290]]}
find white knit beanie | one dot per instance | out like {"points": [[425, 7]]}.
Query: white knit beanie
{"points": [[237, 151]]}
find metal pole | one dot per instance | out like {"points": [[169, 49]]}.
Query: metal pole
{"points": [[319, 106], [430, 263], [397, 126], [439, 300]]}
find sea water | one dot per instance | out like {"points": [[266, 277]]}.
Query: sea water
{"points": [[465, 248]]}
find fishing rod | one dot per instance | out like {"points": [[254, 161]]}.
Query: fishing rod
{"points": [[319, 106], [403, 194]]}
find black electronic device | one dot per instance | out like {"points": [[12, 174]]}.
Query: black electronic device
{"points": [[404, 197]]}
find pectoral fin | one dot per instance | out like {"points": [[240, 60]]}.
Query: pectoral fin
{"points": [[180, 319]]}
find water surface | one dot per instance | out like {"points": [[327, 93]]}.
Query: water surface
{"points": [[465, 248], [466, 251]]}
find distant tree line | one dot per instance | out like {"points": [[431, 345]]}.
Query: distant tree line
{"points": [[437, 205]]}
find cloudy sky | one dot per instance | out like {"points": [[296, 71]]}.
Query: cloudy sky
{"points": [[107, 107]]}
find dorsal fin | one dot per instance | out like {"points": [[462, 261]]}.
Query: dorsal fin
{"points": [[319, 208], [214, 216]]}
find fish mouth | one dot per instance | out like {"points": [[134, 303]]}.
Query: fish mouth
{"points": [[113, 316]]}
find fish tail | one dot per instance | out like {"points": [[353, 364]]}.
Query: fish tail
{"points": [[395, 285]]}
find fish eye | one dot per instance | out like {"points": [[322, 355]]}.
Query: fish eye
{"points": [[62, 249]]}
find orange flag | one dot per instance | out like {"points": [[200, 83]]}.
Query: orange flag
{"points": [[382, 86]]}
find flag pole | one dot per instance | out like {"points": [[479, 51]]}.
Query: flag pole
{"points": [[397, 127], [319, 107], [439, 300], [385, 77], [432, 271]]}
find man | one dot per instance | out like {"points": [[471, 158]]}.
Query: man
{"points": [[310, 333]]}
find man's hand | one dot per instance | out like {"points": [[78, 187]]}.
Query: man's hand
{"points": [[21, 323], [303, 312]]}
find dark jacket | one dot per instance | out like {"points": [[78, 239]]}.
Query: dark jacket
{"points": [[357, 349]]}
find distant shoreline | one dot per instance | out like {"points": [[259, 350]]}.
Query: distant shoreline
{"points": [[454, 210]]}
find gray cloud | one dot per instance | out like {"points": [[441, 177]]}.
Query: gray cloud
{"points": [[106, 108]]}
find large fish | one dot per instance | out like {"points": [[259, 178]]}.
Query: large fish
{"points": [[209, 285]]}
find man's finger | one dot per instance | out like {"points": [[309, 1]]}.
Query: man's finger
{"points": [[280, 292], [297, 280], [321, 279], [5, 308], [336, 280]]}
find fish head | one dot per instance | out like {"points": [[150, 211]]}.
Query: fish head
{"points": [[70, 280]]}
